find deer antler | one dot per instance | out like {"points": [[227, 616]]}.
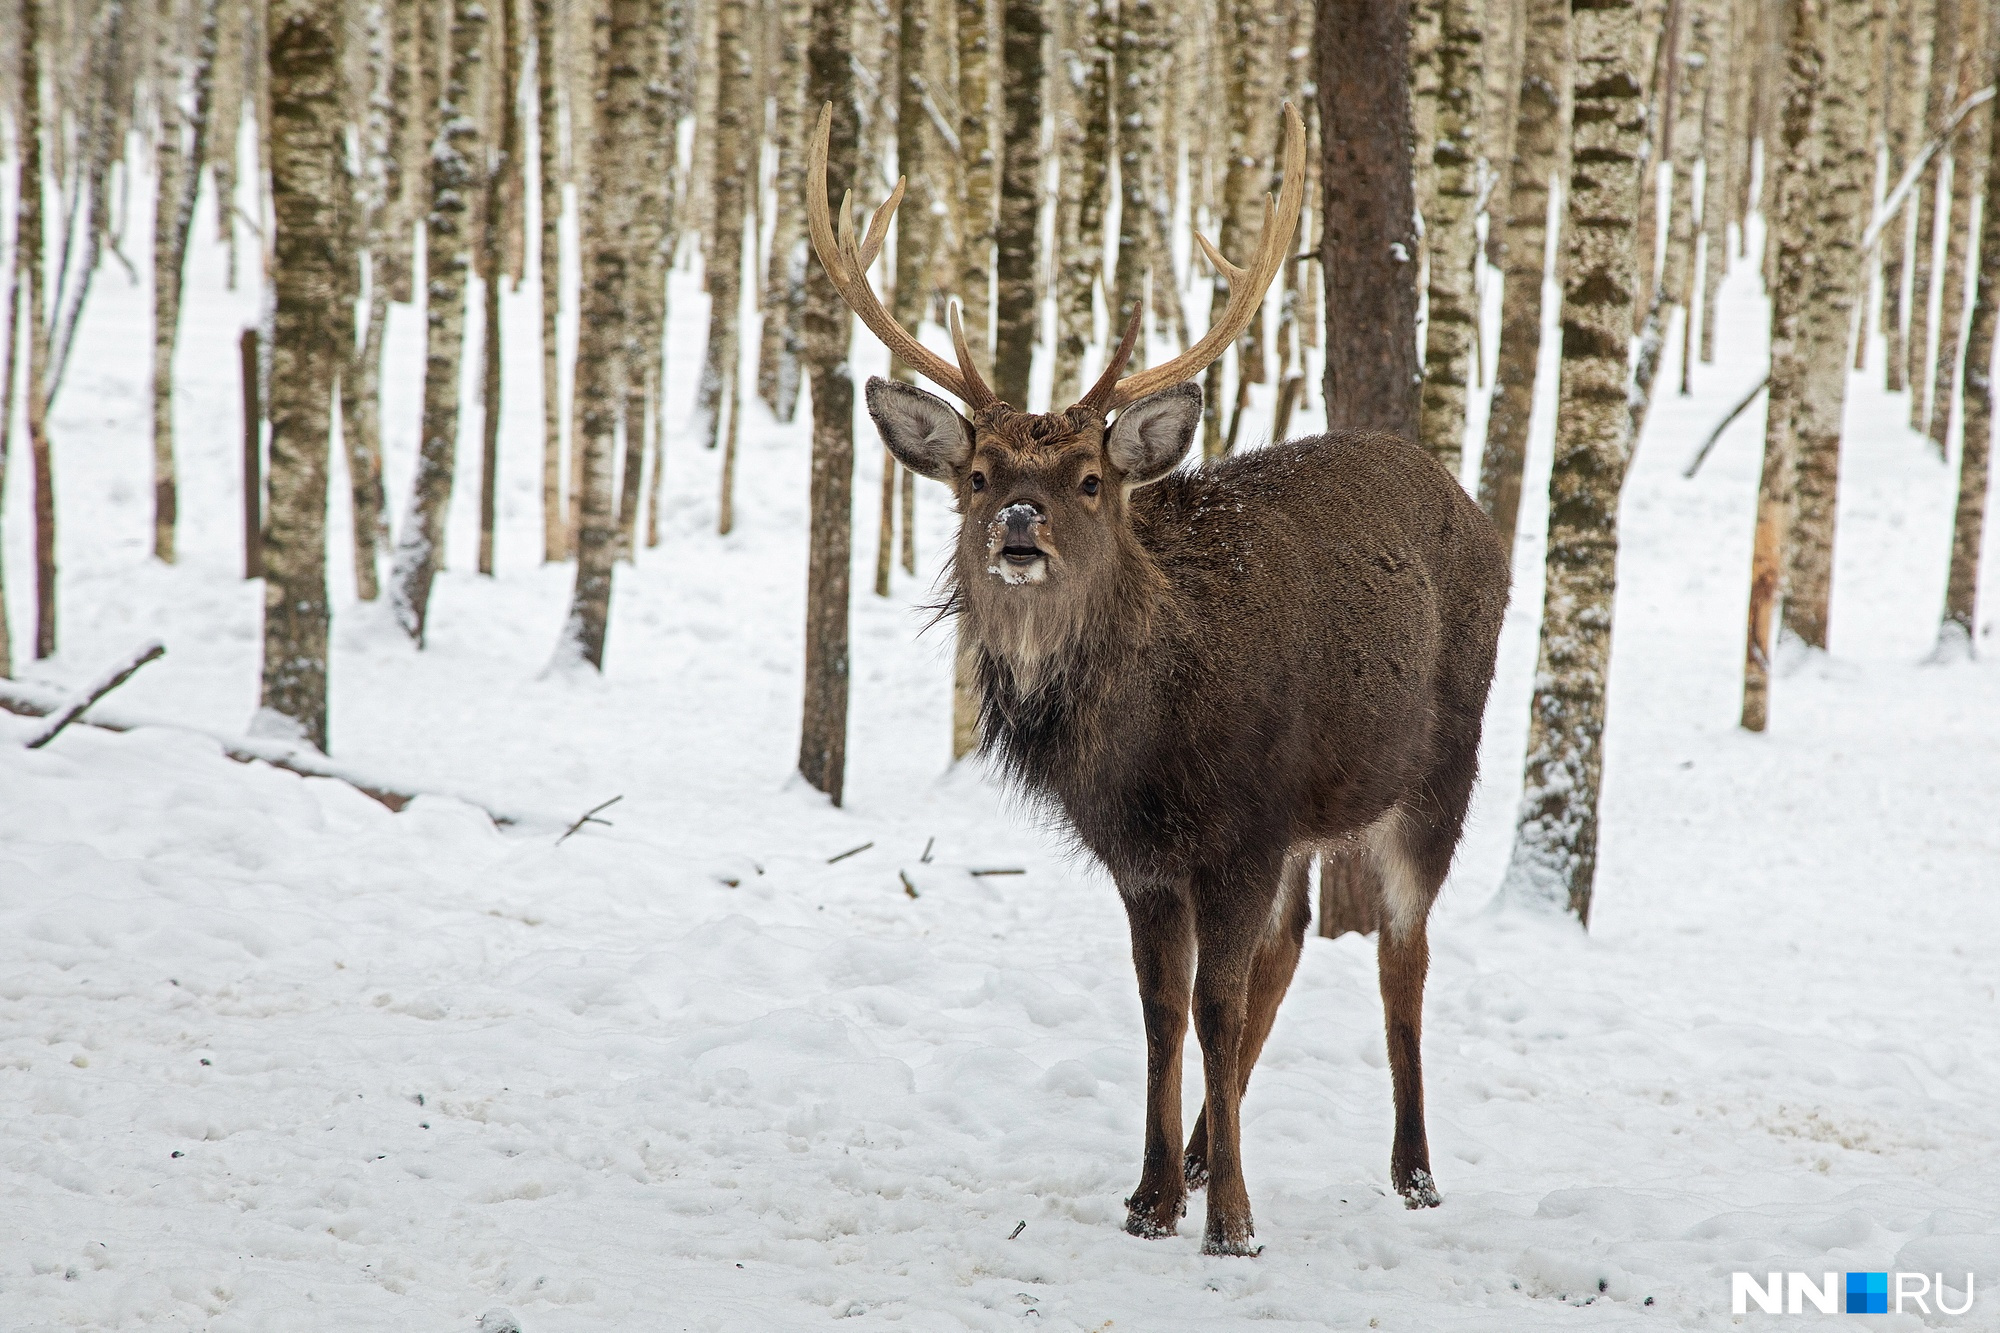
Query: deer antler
{"points": [[846, 261], [1247, 286]]}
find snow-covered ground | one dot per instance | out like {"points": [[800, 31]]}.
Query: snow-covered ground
{"points": [[273, 1057]]}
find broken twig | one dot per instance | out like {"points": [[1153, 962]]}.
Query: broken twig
{"points": [[928, 844], [908, 887], [1019, 1227], [590, 817], [851, 851], [1701, 454], [118, 676], [998, 870]]}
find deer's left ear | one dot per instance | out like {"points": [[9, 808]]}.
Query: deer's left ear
{"points": [[1152, 435]]}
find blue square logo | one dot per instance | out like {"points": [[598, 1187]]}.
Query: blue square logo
{"points": [[1867, 1293]]}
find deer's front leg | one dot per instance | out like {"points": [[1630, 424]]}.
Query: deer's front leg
{"points": [[1163, 955]]}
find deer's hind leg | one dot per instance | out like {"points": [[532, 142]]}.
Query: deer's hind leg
{"points": [[1271, 972]]}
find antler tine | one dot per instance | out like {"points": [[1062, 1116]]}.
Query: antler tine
{"points": [[1247, 284], [846, 263], [1100, 392], [977, 394]]}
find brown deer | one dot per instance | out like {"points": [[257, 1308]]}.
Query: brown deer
{"points": [[1211, 673]]}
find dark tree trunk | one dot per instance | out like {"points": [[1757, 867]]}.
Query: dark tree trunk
{"points": [[827, 328], [1017, 318], [308, 153], [1368, 248]]}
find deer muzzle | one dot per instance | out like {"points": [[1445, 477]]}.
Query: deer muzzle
{"points": [[1014, 540]]}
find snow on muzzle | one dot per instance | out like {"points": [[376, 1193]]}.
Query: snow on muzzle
{"points": [[1014, 541]]}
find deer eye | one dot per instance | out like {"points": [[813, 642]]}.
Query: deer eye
{"points": [[1090, 485], [979, 481]]}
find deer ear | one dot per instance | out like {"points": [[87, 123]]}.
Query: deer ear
{"points": [[922, 430], [1151, 436]]}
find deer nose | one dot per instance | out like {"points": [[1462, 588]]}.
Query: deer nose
{"points": [[1020, 519]]}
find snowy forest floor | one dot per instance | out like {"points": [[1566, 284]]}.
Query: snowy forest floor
{"points": [[274, 1058]]}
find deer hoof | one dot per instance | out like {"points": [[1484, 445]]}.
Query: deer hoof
{"points": [[1420, 1191], [1195, 1171], [1231, 1239], [1151, 1221]]}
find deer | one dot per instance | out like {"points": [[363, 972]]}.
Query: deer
{"points": [[1209, 675]]}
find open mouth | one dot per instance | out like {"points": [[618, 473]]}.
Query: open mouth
{"points": [[1021, 555]]}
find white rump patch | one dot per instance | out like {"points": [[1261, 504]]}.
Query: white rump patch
{"points": [[1404, 897]]}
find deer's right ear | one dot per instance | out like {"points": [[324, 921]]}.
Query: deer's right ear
{"points": [[923, 431]]}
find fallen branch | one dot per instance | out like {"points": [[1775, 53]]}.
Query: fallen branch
{"points": [[1894, 202], [851, 851], [26, 700], [1006, 870], [1701, 454], [118, 676], [590, 817], [908, 887]]}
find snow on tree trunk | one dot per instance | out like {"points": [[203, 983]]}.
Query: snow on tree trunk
{"points": [[1554, 860], [1017, 237], [1791, 241], [1842, 165], [981, 161], [605, 205], [307, 154], [1537, 139], [785, 271], [1083, 124], [1957, 633], [1141, 51], [1451, 232], [453, 173], [1368, 244], [827, 326], [724, 271]]}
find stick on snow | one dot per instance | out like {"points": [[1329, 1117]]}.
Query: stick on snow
{"points": [[851, 851], [118, 676], [590, 817], [1002, 870], [908, 887]]}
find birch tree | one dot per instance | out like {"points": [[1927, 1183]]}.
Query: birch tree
{"points": [[178, 175], [549, 204], [1943, 48], [1792, 240], [979, 181], [1958, 632], [724, 241], [307, 158], [1537, 138], [420, 550], [785, 270], [1968, 158], [29, 239], [1082, 139], [1451, 231], [1017, 235], [828, 329], [1554, 860], [605, 214], [1841, 163]]}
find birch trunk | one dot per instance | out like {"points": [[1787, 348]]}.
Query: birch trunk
{"points": [[1902, 131], [1958, 632], [226, 123], [9, 341], [1716, 156], [1451, 234], [982, 161], [650, 178], [1017, 238], [1842, 160], [1791, 227], [549, 201], [420, 551], [1944, 33], [1140, 52], [307, 154], [827, 328], [1537, 139], [604, 200], [502, 163], [1554, 860], [29, 241], [724, 250], [179, 178], [1968, 159], [1368, 245], [1683, 223], [785, 270], [1085, 181]]}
